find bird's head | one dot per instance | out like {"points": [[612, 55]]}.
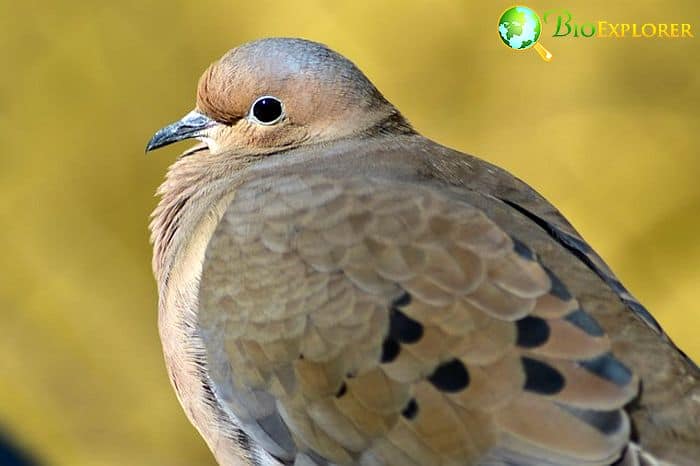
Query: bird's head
{"points": [[275, 94]]}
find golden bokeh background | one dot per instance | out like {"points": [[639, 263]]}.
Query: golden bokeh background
{"points": [[609, 132]]}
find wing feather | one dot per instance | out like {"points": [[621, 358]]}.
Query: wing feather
{"points": [[396, 324]]}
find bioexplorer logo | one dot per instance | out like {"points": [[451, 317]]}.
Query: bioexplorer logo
{"points": [[520, 28]]}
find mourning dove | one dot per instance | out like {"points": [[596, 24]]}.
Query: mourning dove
{"points": [[334, 288]]}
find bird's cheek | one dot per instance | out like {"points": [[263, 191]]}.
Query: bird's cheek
{"points": [[222, 138], [212, 144], [273, 137]]}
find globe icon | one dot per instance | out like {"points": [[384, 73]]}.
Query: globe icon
{"points": [[519, 27]]}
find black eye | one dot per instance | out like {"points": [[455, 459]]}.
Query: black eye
{"points": [[267, 110]]}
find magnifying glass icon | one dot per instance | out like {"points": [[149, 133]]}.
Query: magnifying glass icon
{"points": [[519, 28]]}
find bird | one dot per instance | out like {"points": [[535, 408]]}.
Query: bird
{"points": [[335, 288]]}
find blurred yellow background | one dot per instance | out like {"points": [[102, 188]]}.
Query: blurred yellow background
{"points": [[609, 132]]}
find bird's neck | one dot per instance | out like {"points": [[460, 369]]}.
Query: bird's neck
{"points": [[193, 185], [198, 179]]}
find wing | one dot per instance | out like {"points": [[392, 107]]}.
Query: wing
{"points": [[372, 321]]}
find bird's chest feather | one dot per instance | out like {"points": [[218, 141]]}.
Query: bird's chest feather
{"points": [[183, 348]]}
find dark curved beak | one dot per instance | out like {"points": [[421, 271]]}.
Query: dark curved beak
{"points": [[190, 126]]}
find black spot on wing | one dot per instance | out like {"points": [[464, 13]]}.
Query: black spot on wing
{"points": [[605, 422], [390, 350], [609, 368], [558, 288], [523, 250], [541, 378], [411, 409], [402, 301], [342, 390], [585, 322], [404, 329], [532, 332], [450, 376], [581, 250]]}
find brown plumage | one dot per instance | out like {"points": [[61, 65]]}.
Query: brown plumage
{"points": [[337, 289]]}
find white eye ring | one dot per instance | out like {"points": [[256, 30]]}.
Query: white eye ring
{"points": [[266, 110]]}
